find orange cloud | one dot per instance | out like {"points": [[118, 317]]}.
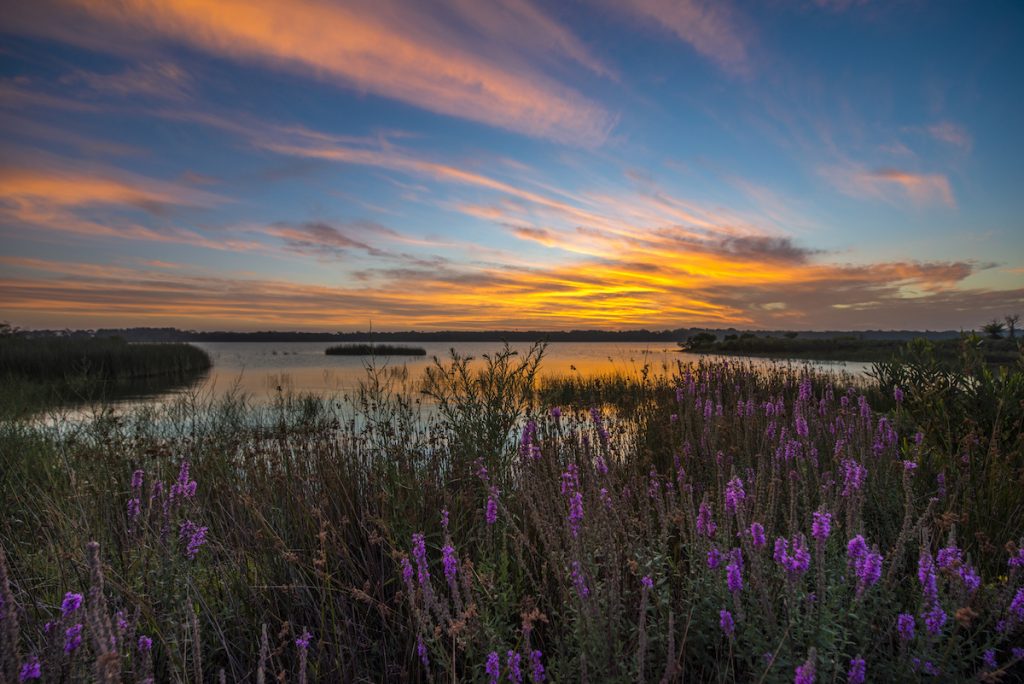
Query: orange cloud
{"points": [[401, 50], [610, 293]]}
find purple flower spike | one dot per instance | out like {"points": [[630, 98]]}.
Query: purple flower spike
{"points": [[491, 507], [493, 667], [726, 622], [145, 644], [302, 641], [421, 651], [514, 663], [536, 667], [905, 626], [757, 534], [70, 604], [857, 672], [30, 670], [450, 562], [805, 673], [647, 582], [734, 577], [72, 638], [734, 494], [821, 527]]}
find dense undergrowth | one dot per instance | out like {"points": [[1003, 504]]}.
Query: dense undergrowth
{"points": [[713, 523]]}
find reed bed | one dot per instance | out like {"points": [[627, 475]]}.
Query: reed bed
{"points": [[707, 523]]}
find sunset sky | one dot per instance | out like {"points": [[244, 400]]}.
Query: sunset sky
{"points": [[464, 164]]}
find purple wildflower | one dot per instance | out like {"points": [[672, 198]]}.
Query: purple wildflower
{"points": [[726, 622], [647, 582], [989, 659], [514, 663], [854, 475], [70, 604], [805, 673], [407, 571], [1017, 561], [575, 512], [145, 644], [556, 412], [491, 507], [905, 626], [909, 466], [934, 619], [579, 581], [801, 426], [419, 552], [821, 527], [1017, 653], [444, 518], [493, 667], [866, 563], [897, 394], [734, 494], [30, 670], [734, 577], [705, 525], [927, 577], [857, 671], [302, 641], [450, 562], [194, 537], [421, 651], [184, 487], [1017, 605], [536, 667], [72, 637], [757, 534], [948, 557], [798, 562], [714, 558]]}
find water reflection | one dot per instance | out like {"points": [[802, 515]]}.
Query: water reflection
{"points": [[265, 371]]}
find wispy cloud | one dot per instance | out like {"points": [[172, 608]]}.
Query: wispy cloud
{"points": [[951, 134], [710, 27], [889, 184], [475, 61], [161, 80]]}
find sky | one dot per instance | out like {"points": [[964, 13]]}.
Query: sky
{"points": [[511, 164]]}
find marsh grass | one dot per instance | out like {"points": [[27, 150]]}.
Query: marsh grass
{"points": [[312, 505], [374, 350], [43, 371]]}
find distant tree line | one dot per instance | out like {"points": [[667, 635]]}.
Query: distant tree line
{"points": [[148, 334]]}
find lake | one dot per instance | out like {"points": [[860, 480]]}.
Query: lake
{"points": [[263, 370]]}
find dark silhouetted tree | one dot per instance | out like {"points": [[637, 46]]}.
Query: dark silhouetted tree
{"points": [[994, 329], [1011, 325]]}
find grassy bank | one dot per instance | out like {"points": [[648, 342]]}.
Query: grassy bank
{"points": [[714, 523], [374, 350], [1004, 351], [41, 371]]}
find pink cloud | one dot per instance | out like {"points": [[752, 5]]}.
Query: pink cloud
{"points": [[406, 51]]}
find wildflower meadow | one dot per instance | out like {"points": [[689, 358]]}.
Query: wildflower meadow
{"points": [[712, 522]]}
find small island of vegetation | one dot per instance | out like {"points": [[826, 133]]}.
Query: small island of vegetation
{"points": [[374, 350]]}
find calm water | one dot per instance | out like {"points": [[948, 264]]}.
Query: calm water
{"points": [[264, 369]]}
